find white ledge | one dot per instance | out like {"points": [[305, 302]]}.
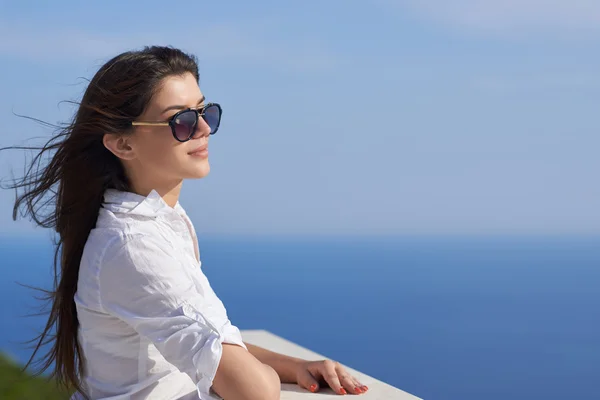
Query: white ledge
{"points": [[377, 390]]}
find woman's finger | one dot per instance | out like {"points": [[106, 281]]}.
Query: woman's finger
{"points": [[364, 388], [331, 377], [307, 381], [348, 382], [359, 385]]}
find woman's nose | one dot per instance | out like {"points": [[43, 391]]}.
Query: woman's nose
{"points": [[202, 128]]}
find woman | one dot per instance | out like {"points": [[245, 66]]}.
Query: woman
{"points": [[134, 316]]}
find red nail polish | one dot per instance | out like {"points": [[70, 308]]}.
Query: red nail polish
{"points": [[357, 390], [313, 387], [343, 391], [366, 388]]}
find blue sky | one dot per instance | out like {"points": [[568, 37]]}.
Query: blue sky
{"points": [[347, 117]]}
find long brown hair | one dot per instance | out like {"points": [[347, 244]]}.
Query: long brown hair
{"points": [[66, 194]]}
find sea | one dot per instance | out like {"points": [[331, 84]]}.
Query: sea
{"points": [[441, 317]]}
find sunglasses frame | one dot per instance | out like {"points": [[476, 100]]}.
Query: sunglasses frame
{"points": [[171, 121]]}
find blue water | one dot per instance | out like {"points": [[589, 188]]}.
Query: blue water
{"points": [[443, 318]]}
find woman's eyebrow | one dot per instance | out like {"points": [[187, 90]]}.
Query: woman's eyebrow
{"points": [[178, 107]]}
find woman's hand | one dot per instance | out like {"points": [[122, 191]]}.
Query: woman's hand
{"points": [[311, 375]]}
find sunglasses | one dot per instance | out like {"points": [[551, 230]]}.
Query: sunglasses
{"points": [[183, 124]]}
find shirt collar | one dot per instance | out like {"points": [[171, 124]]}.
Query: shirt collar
{"points": [[135, 204]]}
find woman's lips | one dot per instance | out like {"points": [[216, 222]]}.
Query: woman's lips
{"points": [[201, 152]]}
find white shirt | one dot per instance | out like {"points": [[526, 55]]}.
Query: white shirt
{"points": [[151, 327]]}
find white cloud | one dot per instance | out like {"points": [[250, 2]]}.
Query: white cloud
{"points": [[510, 17], [249, 44]]}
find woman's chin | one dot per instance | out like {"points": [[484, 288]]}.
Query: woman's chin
{"points": [[200, 170]]}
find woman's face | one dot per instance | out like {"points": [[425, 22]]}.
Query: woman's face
{"points": [[157, 158]]}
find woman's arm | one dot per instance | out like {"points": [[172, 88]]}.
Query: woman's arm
{"points": [[309, 374], [242, 376], [285, 366], [142, 284]]}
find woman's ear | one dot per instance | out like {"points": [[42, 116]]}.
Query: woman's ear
{"points": [[119, 145]]}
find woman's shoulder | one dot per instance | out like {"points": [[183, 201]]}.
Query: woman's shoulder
{"points": [[110, 241]]}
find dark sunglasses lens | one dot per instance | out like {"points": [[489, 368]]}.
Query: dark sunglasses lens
{"points": [[212, 116], [185, 124]]}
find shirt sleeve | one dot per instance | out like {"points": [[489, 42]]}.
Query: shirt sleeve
{"points": [[142, 283], [231, 334]]}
